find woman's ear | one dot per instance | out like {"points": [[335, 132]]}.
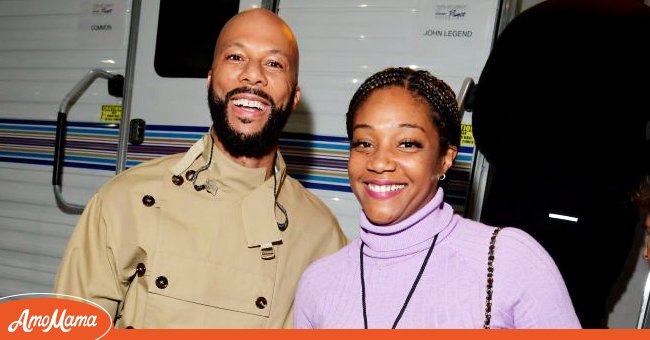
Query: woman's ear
{"points": [[448, 158], [209, 79]]}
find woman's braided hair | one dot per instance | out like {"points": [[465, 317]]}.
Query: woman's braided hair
{"points": [[441, 98], [641, 197]]}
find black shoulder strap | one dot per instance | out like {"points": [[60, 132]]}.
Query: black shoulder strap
{"points": [[490, 276]]}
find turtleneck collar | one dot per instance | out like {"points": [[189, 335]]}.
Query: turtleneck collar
{"points": [[411, 235]]}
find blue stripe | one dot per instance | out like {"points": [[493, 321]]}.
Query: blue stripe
{"points": [[90, 166], [199, 129], [51, 157], [467, 149], [94, 132], [49, 163], [192, 136], [26, 128], [115, 126], [329, 187], [26, 154], [313, 145], [90, 159], [303, 177], [26, 161], [306, 136], [464, 158], [28, 121], [132, 163]]}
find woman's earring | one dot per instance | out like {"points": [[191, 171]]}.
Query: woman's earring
{"points": [[442, 178]]}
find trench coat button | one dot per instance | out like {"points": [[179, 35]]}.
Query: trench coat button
{"points": [[140, 269], [128, 327], [148, 200], [177, 180], [161, 282], [190, 175], [260, 302]]}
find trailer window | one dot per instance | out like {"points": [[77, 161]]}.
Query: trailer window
{"points": [[186, 36]]}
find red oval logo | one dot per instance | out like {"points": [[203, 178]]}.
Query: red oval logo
{"points": [[26, 316]]}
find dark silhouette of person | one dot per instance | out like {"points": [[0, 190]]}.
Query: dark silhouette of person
{"points": [[560, 113]]}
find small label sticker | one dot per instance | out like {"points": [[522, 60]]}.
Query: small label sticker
{"points": [[466, 137], [111, 113]]}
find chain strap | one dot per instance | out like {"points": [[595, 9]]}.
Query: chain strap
{"points": [[490, 277]]}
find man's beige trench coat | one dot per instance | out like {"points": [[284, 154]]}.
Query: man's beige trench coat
{"points": [[157, 253]]}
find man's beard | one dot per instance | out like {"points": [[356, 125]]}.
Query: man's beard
{"points": [[238, 144]]}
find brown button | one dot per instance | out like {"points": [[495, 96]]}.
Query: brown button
{"points": [[161, 282], [190, 175], [128, 327], [140, 269], [260, 302], [148, 200], [178, 180]]}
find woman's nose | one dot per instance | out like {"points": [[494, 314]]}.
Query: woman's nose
{"points": [[381, 161]]}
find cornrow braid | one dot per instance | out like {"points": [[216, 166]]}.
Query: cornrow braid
{"points": [[441, 99], [641, 197]]}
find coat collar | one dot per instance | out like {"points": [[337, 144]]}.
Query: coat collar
{"points": [[257, 193]]}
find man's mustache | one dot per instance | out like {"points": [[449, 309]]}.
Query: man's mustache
{"points": [[250, 90]]}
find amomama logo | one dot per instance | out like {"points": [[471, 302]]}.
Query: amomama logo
{"points": [[35, 316]]}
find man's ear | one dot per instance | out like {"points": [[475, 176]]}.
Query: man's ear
{"points": [[296, 97]]}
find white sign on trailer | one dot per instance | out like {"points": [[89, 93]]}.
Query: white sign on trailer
{"points": [[102, 24]]}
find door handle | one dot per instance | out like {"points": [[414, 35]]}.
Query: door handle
{"points": [[116, 88]]}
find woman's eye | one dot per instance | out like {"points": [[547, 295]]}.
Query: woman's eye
{"points": [[361, 145], [408, 144]]}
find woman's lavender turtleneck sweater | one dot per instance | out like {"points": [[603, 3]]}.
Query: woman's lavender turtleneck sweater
{"points": [[528, 289]]}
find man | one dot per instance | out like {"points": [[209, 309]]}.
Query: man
{"points": [[560, 113], [218, 236]]}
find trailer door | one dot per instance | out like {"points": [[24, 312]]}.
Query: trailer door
{"points": [[46, 47]]}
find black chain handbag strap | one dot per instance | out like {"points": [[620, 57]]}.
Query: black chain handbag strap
{"points": [[490, 279]]}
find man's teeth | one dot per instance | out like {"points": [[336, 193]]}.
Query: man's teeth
{"points": [[249, 103], [386, 188]]}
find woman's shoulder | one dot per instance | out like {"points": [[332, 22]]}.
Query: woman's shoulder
{"points": [[517, 243], [330, 266], [473, 231], [474, 238], [527, 283]]}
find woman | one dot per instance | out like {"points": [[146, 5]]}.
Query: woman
{"points": [[416, 264]]}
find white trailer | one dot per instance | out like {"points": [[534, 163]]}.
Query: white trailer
{"points": [[48, 47]]}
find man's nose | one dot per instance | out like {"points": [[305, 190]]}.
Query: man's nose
{"points": [[253, 74]]}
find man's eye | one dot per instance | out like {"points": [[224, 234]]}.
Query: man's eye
{"points": [[235, 57], [274, 64]]}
